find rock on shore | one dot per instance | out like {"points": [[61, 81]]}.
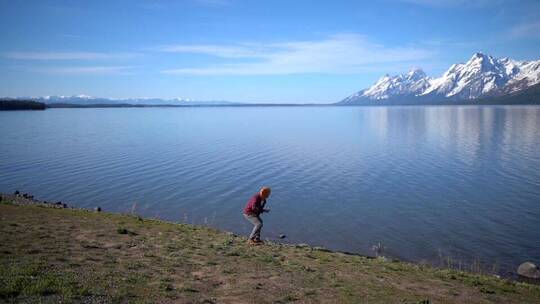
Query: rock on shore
{"points": [[529, 270]]}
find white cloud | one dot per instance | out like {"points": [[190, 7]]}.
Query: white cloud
{"points": [[158, 5], [214, 3], [65, 55], [86, 70], [70, 36], [224, 51], [454, 3], [151, 5], [524, 30], [344, 53]]}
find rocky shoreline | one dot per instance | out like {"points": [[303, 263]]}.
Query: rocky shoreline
{"points": [[27, 199]]}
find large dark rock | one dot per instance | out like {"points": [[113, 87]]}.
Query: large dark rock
{"points": [[529, 270]]}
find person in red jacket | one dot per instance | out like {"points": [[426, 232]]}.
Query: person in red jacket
{"points": [[254, 208]]}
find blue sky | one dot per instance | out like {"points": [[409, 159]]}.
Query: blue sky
{"points": [[247, 51]]}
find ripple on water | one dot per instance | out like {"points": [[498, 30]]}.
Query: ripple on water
{"points": [[461, 181]]}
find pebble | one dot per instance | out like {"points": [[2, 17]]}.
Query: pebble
{"points": [[97, 209]]}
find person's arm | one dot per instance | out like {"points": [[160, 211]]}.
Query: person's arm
{"points": [[262, 207]]}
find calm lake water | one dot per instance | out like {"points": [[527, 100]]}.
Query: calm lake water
{"points": [[462, 182]]}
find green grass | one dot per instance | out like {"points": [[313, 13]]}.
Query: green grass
{"points": [[65, 255], [6, 202], [26, 279]]}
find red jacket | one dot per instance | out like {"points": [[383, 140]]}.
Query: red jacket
{"points": [[255, 205]]}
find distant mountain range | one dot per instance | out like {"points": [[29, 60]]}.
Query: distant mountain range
{"points": [[481, 80], [85, 100]]}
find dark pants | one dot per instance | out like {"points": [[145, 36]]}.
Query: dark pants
{"points": [[257, 226]]}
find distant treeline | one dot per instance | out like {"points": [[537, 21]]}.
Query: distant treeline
{"points": [[96, 105], [7, 105], [128, 105]]}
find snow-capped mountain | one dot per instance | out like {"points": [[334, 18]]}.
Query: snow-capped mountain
{"points": [[528, 76], [412, 83], [481, 76]]}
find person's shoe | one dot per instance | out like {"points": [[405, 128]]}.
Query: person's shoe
{"points": [[252, 242], [259, 241]]}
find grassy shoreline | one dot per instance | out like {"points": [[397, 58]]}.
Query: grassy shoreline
{"points": [[76, 255]]}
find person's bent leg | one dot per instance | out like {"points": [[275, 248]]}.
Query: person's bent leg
{"points": [[257, 225], [257, 229]]}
